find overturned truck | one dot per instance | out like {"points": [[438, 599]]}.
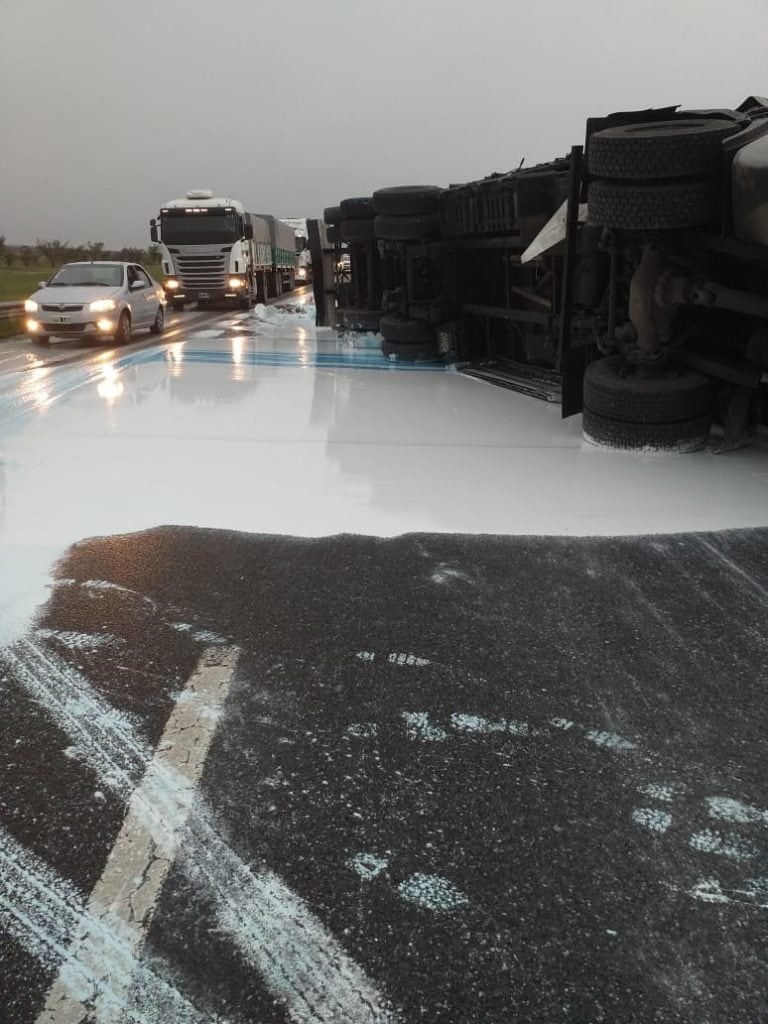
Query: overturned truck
{"points": [[627, 281]]}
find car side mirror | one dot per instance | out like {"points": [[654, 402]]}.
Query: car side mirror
{"points": [[42, 284], [249, 231], [137, 286]]}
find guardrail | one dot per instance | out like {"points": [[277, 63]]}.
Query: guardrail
{"points": [[10, 309]]}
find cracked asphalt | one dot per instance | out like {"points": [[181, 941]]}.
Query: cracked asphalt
{"points": [[454, 778]]}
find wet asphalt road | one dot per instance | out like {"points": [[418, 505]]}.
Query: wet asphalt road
{"points": [[509, 778]]}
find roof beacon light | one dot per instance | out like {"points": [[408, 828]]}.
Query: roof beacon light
{"points": [[199, 193]]}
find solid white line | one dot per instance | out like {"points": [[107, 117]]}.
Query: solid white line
{"points": [[303, 965], [141, 857]]}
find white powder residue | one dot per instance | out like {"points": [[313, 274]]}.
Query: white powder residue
{"points": [[662, 793], [445, 574], [756, 890], [420, 727], [407, 659], [610, 740], [652, 819], [725, 809], [711, 842], [562, 723], [486, 726], [362, 730], [78, 641], [367, 865], [203, 636], [709, 890], [365, 655], [432, 893]]}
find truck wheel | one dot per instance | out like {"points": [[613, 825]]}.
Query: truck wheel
{"points": [[360, 319], [332, 215], [245, 302], [685, 436], [407, 332], [659, 149], [359, 207], [613, 391], [178, 304], [357, 230], [416, 228], [414, 352], [406, 199], [333, 234], [654, 207]]}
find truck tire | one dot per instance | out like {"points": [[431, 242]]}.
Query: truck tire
{"points": [[659, 149], [406, 332], [415, 228], [684, 436], [360, 319], [358, 207], [357, 230], [414, 352], [654, 207], [678, 395], [178, 304], [332, 215], [406, 199], [333, 234]]}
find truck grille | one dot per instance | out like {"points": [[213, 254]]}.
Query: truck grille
{"points": [[205, 271]]}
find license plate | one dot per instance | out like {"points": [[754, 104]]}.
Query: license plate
{"points": [[203, 295], [61, 319]]}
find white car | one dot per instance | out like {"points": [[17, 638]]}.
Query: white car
{"points": [[101, 299]]}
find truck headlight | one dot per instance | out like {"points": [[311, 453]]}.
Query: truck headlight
{"points": [[236, 282], [171, 284], [30, 306], [101, 305]]}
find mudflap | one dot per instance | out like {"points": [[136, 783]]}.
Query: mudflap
{"points": [[574, 363]]}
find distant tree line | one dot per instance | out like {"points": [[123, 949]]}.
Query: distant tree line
{"points": [[53, 252]]}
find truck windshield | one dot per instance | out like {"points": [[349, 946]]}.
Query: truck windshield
{"points": [[199, 228]]}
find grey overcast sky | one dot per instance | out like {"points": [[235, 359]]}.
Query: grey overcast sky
{"points": [[110, 107]]}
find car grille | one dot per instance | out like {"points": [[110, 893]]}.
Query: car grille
{"points": [[63, 308], [208, 270], [63, 328]]}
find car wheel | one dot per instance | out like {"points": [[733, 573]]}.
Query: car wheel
{"points": [[159, 323], [123, 332]]}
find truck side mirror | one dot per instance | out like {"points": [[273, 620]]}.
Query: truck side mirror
{"points": [[249, 231], [153, 231]]}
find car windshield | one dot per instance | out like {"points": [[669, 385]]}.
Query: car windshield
{"points": [[88, 274]]}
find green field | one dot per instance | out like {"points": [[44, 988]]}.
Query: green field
{"points": [[19, 282]]}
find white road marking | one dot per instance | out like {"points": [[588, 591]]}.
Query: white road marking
{"points": [[145, 848], [41, 911], [301, 962], [652, 819], [419, 727]]}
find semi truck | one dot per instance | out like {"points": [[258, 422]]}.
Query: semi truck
{"points": [[212, 249], [626, 280]]}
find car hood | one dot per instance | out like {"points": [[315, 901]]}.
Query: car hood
{"points": [[67, 294]]}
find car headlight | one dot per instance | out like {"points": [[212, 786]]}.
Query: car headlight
{"points": [[102, 305], [30, 306]]}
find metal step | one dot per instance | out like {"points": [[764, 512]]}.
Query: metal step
{"points": [[528, 380]]}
